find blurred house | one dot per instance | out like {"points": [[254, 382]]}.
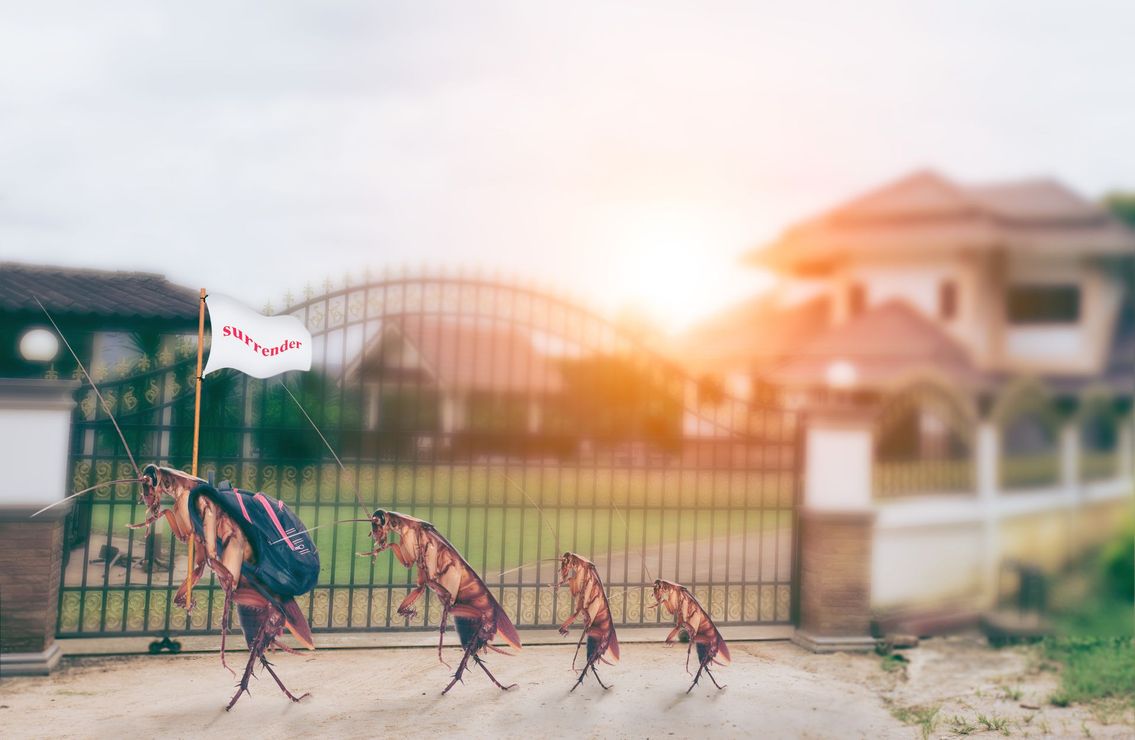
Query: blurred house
{"points": [[110, 318], [453, 383], [1021, 278], [990, 330]]}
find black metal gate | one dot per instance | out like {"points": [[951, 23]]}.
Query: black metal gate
{"points": [[466, 402]]}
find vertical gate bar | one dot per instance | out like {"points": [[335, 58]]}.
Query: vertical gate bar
{"points": [[778, 512], [797, 499], [535, 397], [348, 293], [362, 443], [412, 436], [320, 504], [450, 434], [503, 436], [104, 587]]}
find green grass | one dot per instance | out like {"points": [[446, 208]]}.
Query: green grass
{"points": [[994, 723], [924, 717], [1095, 668], [959, 725], [492, 521], [1095, 640], [399, 486]]}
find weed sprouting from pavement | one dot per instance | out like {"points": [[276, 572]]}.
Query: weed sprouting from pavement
{"points": [[925, 717], [961, 725], [994, 723]]}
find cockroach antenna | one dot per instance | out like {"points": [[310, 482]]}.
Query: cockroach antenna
{"points": [[547, 523], [85, 490], [543, 516], [342, 468], [626, 524], [105, 405]]}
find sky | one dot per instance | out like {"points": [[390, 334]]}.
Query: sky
{"points": [[627, 154]]}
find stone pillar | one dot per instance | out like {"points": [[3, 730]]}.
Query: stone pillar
{"points": [[987, 452], [1070, 475], [35, 432], [1126, 446], [837, 524]]}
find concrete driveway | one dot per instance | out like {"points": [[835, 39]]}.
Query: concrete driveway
{"points": [[375, 693]]}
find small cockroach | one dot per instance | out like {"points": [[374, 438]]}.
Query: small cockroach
{"points": [[590, 600], [693, 618]]}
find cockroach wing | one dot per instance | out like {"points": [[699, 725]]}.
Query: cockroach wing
{"points": [[722, 656], [613, 648], [505, 629]]}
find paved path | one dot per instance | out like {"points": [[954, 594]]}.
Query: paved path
{"points": [[774, 691]]}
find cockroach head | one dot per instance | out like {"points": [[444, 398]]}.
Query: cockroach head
{"points": [[379, 524], [150, 475]]}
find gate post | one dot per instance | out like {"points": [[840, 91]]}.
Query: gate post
{"points": [[35, 436], [837, 524]]}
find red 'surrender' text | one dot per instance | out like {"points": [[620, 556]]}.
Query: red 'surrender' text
{"points": [[232, 331]]}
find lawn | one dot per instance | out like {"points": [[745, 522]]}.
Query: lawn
{"points": [[493, 519]]}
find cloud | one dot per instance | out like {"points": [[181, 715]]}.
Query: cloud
{"points": [[190, 138]]}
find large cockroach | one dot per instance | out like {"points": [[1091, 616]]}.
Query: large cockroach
{"points": [[693, 618], [224, 547], [221, 544], [477, 615], [589, 600]]}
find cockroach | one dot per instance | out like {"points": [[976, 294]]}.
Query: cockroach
{"points": [[693, 618], [590, 600], [222, 545], [477, 615]]}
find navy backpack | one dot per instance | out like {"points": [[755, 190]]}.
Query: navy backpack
{"points": [[287, 562]]}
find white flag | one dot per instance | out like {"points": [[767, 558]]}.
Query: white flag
{"points": [[260, 346]]}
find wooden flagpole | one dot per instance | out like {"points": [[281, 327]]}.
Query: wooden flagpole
{"points": [[196, 438]]}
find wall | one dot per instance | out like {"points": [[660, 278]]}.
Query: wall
{"points": [[946, 551]]}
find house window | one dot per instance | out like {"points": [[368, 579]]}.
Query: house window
{"points": [[947, 300], [1043, 304], [856, 300]]}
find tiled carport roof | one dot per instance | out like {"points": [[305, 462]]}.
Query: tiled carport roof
{"points": [[886, 344], [67, 291]]}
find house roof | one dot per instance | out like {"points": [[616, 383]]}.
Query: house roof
{"points": [[885, 344], [752, 334], [66, 291], [467, 356], [928, 212]]}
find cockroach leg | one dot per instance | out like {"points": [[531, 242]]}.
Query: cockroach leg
{"points": [[242, 687], [441, 632], [485, 668], [711, 678], [582, 635], [268, 666], [605, 686], [460, 668], [225, 630]]}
